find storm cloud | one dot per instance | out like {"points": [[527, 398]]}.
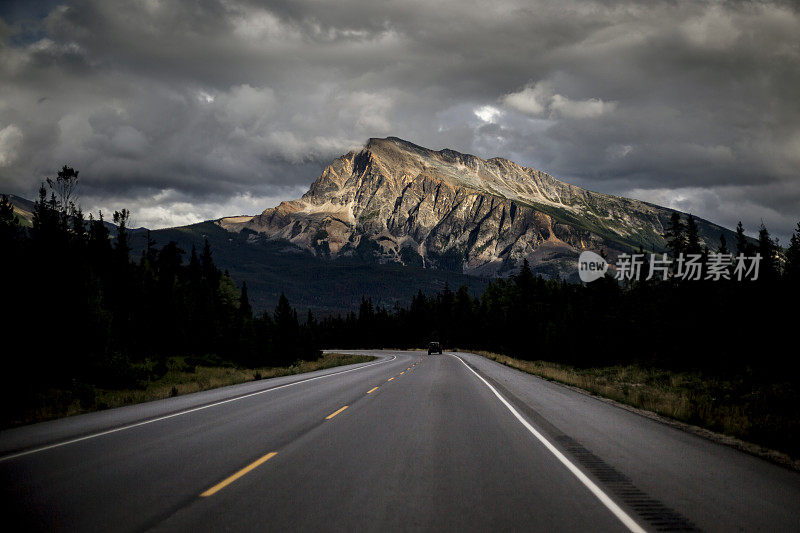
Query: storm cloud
{"points": [[189, 110]]}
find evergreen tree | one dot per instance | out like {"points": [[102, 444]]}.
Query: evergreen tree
{"points": [[150, 253], [692, 237], [286, 332], [767, 248], [676, 240], [98, 244], [245, 310], [195, 270], [78, 226], [792, 270], [46, 221], [310, 338], [742, 244], [122, 247], [210, 271], [525, 279], [463, 317], [723, 245]]}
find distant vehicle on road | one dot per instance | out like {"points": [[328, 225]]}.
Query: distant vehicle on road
{"points": [[434, 347]]}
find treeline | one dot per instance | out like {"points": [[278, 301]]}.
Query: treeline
{"points": [[722, 326], [81, 314]]}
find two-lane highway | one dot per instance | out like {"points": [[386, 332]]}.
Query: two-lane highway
{"points": [[407, 442]]}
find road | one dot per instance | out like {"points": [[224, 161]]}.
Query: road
{"points": [[451, 442]]}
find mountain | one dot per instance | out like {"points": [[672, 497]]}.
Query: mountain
{"points": [[395, 218], [396, 202], [23, 209]]}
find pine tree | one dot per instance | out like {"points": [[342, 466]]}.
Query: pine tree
{"points": [[767, 249], [692, 237], [210, 270], [150, 253], [286, 332], [742, 244], [310, 337], [46, 221], [98, 244], [245, 310], [525, 279], [195, 270], [792, 270], [169, 263], [463, 313], [122, 247], [676, 240], [723, 245], [78, 226]]}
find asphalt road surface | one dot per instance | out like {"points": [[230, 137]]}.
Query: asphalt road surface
{"points": [[450, 442]]}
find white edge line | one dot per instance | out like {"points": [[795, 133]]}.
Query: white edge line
{"points": [[593, 488], [179, 413]]}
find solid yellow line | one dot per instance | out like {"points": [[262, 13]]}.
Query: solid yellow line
{"points": [[227, 481], [335, 413], [372, 390], [390, 379]]}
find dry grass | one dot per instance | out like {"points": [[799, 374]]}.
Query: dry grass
{"points": [[683, 396], [179, 379]]}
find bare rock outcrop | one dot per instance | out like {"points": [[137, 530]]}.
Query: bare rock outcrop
{"points": [[396, 201]]}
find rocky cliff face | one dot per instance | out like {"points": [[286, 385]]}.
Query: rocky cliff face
{"points": [[396, 201]]}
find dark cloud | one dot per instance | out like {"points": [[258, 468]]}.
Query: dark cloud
{"points": [[233, 105]]}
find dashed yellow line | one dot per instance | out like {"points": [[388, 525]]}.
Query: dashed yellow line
{"points": [[227, 481], [335, 413], [403, 372], [390, 379], [372, 390]]}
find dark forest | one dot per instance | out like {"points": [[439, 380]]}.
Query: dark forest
{"points": [[81, 312]]}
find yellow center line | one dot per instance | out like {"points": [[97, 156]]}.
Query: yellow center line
{"points": [[390, 379], [335, 413], [227, 481], [372, 390], [403, 372]]}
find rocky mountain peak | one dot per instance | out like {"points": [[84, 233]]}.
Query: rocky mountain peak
{"points": [[396, 201]]}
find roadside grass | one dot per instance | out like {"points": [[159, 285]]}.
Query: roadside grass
{"points": [[742, 407], [184, 375]]}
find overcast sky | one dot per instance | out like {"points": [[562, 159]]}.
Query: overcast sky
{"points": [[188, 110]]}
